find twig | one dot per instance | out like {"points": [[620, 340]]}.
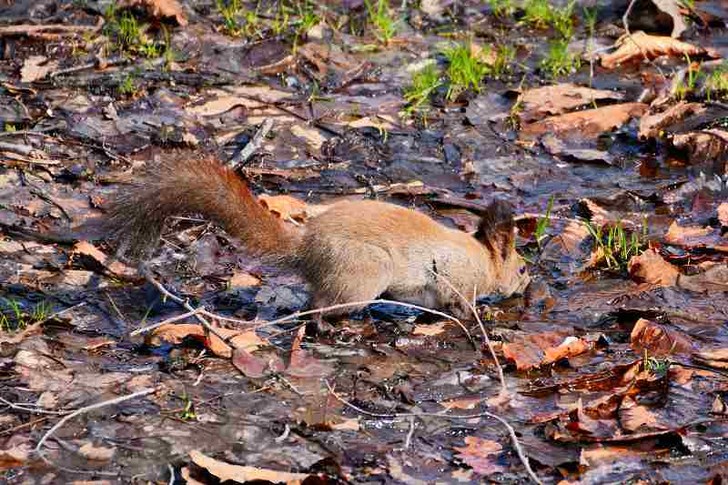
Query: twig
{"points": [[474, 311], [148, 276], [65, 419], [408, 439], [252, 146], [297, 315], [30, 30], [176, 318], [31, 408], [485, 414], [26, 150]]}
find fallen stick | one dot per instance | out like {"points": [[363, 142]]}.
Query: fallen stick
{"points": [[30, 30], [252, 146]]}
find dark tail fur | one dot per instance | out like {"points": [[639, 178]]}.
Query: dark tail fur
{"points": [[195, 186]]}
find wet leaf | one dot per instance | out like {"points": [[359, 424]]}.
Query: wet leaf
{"points": [[250, 365], [535, 104], [703, 146], [159, 9], [717, 358], [242, 474], [723, 214], [585, 124], [531, 351], [650, 267], [303, 363], [86, 254], [638, 45], [96, 453], [653, 124], [659, 340], [638, 418], [696, 236], [481, 455]]}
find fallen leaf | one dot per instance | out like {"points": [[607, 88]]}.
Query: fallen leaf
{"points": [[36, 68], [249, 97], [242, 474], [719, 406], [174, 333], [429, 330], [659, 340], [159, 9], [480, 455], [314, 138], [639, 45], [250, 365], [303, 363], [650, 267], [634, 417], [347, 424], [653, 124], [463, 403], [15, 456], [241, 279], [723, 214], [704, 146], [538, 103], [585, 124], [695, 236], [86, 254], [285, 206], [97, 453], [530, 351]]}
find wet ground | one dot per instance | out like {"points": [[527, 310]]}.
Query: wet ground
{"points": [[615, 361]]}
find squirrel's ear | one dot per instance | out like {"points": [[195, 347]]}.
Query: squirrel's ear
{"points": [[497, 227]]}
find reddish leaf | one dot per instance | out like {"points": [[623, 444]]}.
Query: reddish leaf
{"points": [[659, 340], [480, 455], [638, 46]]}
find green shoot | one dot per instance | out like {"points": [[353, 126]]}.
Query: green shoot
{"points": [[380, 16], [615, 247], [716, 83], [424, 83], [465, 70], [543, 223], [559, 61], [502, 8]]}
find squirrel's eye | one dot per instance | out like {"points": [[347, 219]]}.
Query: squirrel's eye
{"points": [[522, 269]]}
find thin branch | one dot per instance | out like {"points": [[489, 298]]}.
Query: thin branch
{"points": [[485, 414], [176, 318], [252, 146]]}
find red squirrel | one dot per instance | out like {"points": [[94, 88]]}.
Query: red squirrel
{"points": [[353, 251]]}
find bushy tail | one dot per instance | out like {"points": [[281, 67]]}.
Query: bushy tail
{"points": [[195, 186]]}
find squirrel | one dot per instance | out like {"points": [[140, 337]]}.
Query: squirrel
{"points": [[354, 251]]}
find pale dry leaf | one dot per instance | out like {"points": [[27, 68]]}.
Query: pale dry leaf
{"points": [[242, 474], [639, 45], [585, 124], [241, 279], [463, 403], [160, 9], [96, 453], [429, 330], [314, 138], [544, 101], [36, 68], [175, 333], [285, 206], [250, 97], [650, 267], [15, 456], [84, 249], [723, 214], [347, 424], [481, 455]]}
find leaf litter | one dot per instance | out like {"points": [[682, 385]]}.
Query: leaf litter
{"points": [[620, 358]]}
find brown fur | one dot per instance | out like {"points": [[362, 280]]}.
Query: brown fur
{"points": [[354, 251]]}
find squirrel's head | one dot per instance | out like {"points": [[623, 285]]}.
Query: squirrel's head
{"points": [[497, 232]]}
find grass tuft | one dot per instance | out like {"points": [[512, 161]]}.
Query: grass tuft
{"points": [[465, 69], [381, 17]]}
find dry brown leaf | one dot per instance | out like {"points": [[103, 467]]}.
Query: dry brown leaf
{"points": [[241, 279], [652, 124], [480, 455], [14, 455], [159, 9], [639, 45], [695, 236], [36, 68], [635, 417], [303, 363], [659, 340], [585, 124], [249, 97], [463, 403], [429, 330], [347, 424], [94, 256], [650, 267], [97, 453], [703, 146], [314, 138], [558, 99], [285, 206], [174, 333], [532, 351], [242, 474]]}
